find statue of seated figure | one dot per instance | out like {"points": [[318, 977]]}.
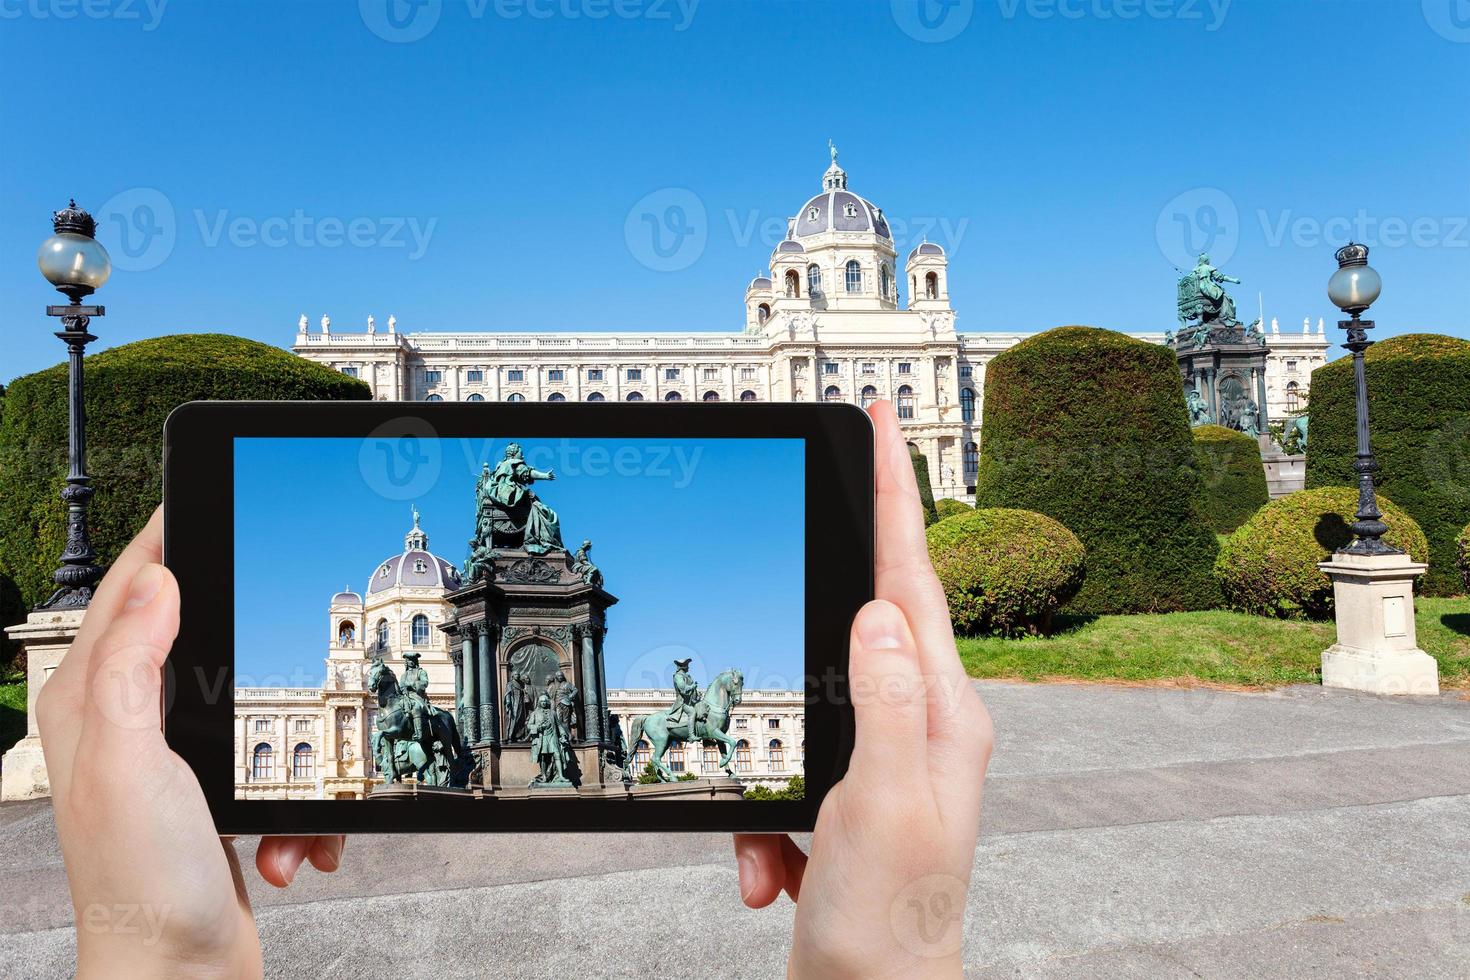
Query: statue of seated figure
{"points": [[510, 513]]}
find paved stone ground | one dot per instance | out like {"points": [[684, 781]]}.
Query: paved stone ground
{"points": [[1128, 832]]}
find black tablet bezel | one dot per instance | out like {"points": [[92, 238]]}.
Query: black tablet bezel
{"points": [[198, 506]]}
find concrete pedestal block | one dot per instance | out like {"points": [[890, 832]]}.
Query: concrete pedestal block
{"points": [[46, 636], [1377, 649]]}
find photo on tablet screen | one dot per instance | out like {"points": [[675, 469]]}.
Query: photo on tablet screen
{"points": [[520, 618]]}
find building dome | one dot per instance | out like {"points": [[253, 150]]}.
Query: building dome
{"points": [[927, 248], [760, 284], [839, 209], [415, 567], [346, 598], [790, 246]]}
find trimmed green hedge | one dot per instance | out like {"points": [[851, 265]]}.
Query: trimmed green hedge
{"points": [[1269, 566], [1089, 427], [1462, 556], [926, 489], [949, 507], [130, 390], [1233, 479], [1419, 407], [1004, 571]]}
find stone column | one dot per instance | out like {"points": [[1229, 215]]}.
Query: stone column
{"points": [[456, 654], [489, 697], [1376, 648], [598, 633], [46, 635], [591, 708], [1265, 416], [470, 727]]}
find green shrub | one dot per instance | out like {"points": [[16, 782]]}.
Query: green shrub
{"points": [[1004, 571], [1462, 556], [1269, 566], [1232, 477], [926, 489], [130, 390], [1419, 406], [949, 507], [1089, 427], [795, 789]]}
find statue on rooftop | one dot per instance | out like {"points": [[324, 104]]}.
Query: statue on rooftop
{"points": [[517, 516]]}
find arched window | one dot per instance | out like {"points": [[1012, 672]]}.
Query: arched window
{"points": [[967, 404], [676, 758], [420, 630], [673, 396], [793, 284], [635, 396], [931, 286], [813, 279], [972, 463], [870, 395], [778, 754], [762, 313], [516, 397], [596, 396], [263, 762], [303, 762], [711, 758], [747, 396], [711, 396], [885, 279], [832, 393], [742, 756], [475, 398], [434, 398], [905, 402], [346, 633], [556, 396], [641, 755], [383, 633], [1293, 396], [854, 276]]}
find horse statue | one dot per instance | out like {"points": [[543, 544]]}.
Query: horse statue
{"points": [[437, 758], [710, 721]]}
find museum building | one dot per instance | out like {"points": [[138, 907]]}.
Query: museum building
{"points": [[828, 322], [315, 742]]}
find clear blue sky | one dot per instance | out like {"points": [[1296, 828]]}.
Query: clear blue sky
{"points": [[495, 166], [670, 520]]}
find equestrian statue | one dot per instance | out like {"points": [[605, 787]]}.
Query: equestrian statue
{"points": [[413, 736], [697, 716]]}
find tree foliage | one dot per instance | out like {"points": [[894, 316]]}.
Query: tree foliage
{"points": [[1232, 477]]}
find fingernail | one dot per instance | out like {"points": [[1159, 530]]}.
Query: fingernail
{"points": [[880, 627], [144, 586], [286, 869], [749, 871]]}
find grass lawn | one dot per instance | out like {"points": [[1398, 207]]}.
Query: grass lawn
{"points": [[12, 714], [1203, 647]]}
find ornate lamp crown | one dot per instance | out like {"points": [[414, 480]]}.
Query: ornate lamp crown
{"points": [[74, 219], [1352, 254]]}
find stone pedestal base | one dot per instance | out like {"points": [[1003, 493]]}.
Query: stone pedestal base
{"points": [[1376, 650], [511, 766], [46, 636]]}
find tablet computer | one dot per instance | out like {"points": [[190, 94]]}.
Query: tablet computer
{"points": [[515, 617]]}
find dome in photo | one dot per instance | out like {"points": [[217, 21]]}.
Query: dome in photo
{"points": [[416, 566]]}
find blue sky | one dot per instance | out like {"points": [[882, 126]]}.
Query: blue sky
{"points": [[507, 170], [670, 522]]}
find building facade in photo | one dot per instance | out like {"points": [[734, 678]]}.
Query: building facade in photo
{"points": [[840, 316], [316, 742]]}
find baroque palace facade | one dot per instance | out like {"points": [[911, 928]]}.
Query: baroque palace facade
{"points": [[827, 323], [315, 742]]}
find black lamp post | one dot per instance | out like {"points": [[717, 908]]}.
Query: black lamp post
{"points": [[1353, 288], [77, 265]]}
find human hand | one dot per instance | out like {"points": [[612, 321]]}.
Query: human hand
{"points": [[155, 891], [883, 892]]}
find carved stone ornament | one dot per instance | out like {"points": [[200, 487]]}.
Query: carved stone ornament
{"points": [[532, 571]]}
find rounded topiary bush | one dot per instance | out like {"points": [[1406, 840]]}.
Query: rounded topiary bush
{"points": [[1005, 571], [1269, 565], [1462, 556], [130, 390], [1419, 407], [926, 489], [1232, 477], [1089, 427], [949, 507]]}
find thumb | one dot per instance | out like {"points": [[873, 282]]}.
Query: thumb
{"points": [[123, 708], [888, 696]]}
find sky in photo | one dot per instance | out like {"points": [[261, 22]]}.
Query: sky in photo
{"points": [[591, 165], [701, 541]]}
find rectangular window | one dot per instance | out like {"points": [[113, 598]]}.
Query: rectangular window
{"points": [[1290, 366], [475, 376], [711, 374], [967, 370], [671, 374], [303, 724], [741, 722], [556, 374], [635, 374], [773, 723], [904, 367], [594, 374], [747, 374], [830, 367], [515, 374], [433, 377], [869, 368], [262, 725], [351, 372]]}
